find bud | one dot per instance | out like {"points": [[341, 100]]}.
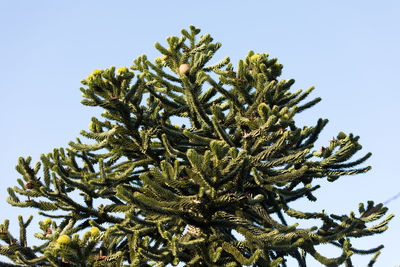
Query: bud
{"points": [[341, 135], [28, 185]]}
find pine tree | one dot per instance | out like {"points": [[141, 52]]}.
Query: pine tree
{"points": [[155, 193]]}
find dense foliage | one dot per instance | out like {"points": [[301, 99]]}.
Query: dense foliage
{"points": [[152, 192]]}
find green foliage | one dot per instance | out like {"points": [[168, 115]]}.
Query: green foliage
{"points": [[177, 193]]}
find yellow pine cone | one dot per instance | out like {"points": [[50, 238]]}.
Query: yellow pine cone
{"points": [[122, 70], [254, 57], [161, 58], [63, 240], [94, 231], [92, 126], [97, 72]]}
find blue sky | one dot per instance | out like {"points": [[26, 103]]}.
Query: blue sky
{"points": [[347, 49]]}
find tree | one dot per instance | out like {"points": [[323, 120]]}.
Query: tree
{"points": [[157, 193]]}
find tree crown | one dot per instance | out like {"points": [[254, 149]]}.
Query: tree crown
{"points": [[177, 193]]}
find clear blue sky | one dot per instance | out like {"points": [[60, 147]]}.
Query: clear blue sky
{"points": [[348, 49]]}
